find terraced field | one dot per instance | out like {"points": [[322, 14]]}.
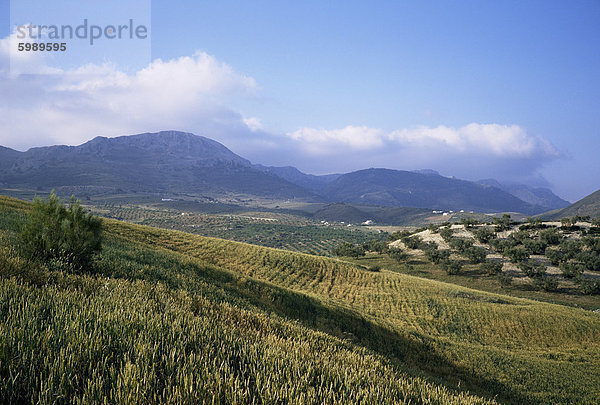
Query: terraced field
{"points": [[170, 316], [278, 230]]}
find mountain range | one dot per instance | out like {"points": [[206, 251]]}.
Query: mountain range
{"points": [[171, 162]]}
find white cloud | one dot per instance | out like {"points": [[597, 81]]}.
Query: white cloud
{"points": [[472, 139], [323, 141], [73, 106], [473, 151], [13, 61], [253, 124]]}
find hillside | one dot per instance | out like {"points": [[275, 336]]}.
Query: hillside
{"points": [[161, 163], [589, 205], [410, 189], [539, 196], [273, 326]]}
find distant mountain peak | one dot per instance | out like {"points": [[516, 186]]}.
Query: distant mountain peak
{"points": [[540, 196], [160, 162], [184, 146]]}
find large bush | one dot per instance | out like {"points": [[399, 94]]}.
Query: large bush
{"points": [[64, 236]]}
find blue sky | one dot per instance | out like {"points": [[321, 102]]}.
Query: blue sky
{"points": [[473, 89]]}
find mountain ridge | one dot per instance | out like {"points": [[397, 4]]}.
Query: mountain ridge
{"points": [[163, 162], [170, 162], [541, 196], [377, 186]]}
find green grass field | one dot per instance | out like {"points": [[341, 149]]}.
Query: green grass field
{"points": [[174, 317]]}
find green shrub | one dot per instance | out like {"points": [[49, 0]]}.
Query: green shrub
{"points": [[66, 238], [546, 283], [348, 250], [492, 267], [446, 234], [484, 235], [571, 269], [469, 222], [504, 279], [437, 256], [460, 244], [398, 235], [570, 248], [397, 254], [520, 236], [414, 242], [534, 246], [503, 223], [517, 254], [374, 268], [590, 260], [593, 243], [475, 254], [531, 269], [433, 228], [550, 236], [451, 266], [375, 245], [555, 256], [502, 245], [589, 287]]}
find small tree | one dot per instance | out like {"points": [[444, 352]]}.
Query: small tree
{"points": [[375, 245], [492, 267], [517, 254], [571, 269], [550, 236], [469, 222], [504, 279], [437, 256], [475, 254], [520, 236], [588, 286], [67, 235], [451, 266], [484, 235], [503, 223], [568, 222], [414, 242], [348, 250], [397, 254], [531, 269], [446, 234], [546, 283], [460, 244], [555, 256], [534, 246]]}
